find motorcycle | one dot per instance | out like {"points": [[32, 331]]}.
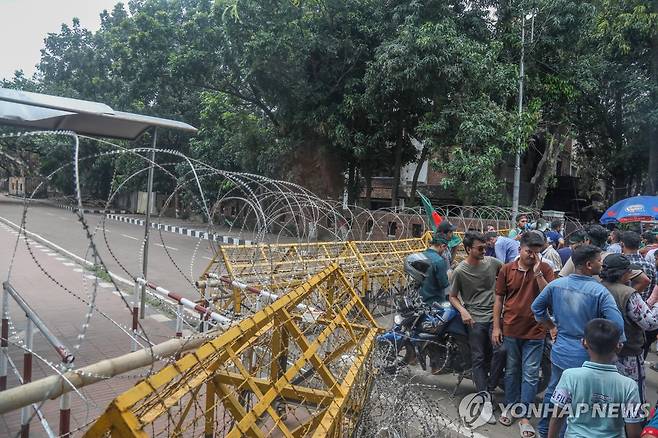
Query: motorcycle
{"points": [[437, 336]]}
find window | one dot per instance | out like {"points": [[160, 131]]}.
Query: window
{"points": [[416, 230], [392, 229]]}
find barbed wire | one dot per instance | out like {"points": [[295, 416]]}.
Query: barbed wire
{"points": [[233, 207]]}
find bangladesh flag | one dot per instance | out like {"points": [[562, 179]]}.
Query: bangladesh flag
{"points": [[432, 216]]}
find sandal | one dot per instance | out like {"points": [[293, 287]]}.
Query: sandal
{"points": [[527, 431], [505, 420]]}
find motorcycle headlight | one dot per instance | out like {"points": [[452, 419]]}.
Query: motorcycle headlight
{"points": [[398, 319]]}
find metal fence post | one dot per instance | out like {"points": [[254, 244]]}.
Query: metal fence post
{"points": [[179, 321], [27, 376], [136, 294], [4, 341], [65, 415], [206, 304], [179, 325]]}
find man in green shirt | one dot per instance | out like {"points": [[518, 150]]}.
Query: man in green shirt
{"points": [[521, 223], [433, 288], [472, 295]]}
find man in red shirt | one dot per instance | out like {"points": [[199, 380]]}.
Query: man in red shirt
{"points": [[518, 284]]}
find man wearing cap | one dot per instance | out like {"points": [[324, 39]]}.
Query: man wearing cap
{"points": [[433, 288], [576, 239], [447, 230], [638, 317], [630, 245], [596, 236], [503, 248]]}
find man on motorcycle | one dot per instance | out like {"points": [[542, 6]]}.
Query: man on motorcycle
{"points": [[433, 288], [518, 284], [472, 295]]}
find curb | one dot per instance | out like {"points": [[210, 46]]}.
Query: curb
{"points": [[86, 210], [68, 207], [182, 230]]}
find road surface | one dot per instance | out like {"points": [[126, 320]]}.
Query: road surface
{"points": [[60, 291]]}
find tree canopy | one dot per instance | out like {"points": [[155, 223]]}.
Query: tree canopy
{"points": [[314, 90]]}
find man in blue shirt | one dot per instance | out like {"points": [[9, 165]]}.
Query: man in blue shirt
{"points": [[505, 249], [574, 300], [615, 242], [436, 281], [554, 235], [576, 239], [590, 393]]}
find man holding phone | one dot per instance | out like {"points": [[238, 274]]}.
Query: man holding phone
{"points": [[521, 225], [519, 283]]}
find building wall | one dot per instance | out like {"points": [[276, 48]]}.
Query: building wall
{"points": [[26, 185]]}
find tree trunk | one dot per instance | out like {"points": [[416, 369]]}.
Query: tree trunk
{"points": [[395, 189], [546, 168], [619, 191], [367, 175], [414, 182]]}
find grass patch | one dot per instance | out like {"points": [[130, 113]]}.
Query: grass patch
{"points": [[99, 272]]}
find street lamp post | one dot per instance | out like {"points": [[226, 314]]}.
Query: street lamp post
{"points": [[147, 224], [517, 157]]}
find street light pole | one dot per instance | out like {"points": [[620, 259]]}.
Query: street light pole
{"points": [[147, 224], [517, 157]]}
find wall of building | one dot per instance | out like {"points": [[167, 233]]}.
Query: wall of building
{"points": [[26, 186]]}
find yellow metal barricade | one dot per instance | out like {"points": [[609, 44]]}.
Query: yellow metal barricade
{"points": [[295, 368], [373, 268]]}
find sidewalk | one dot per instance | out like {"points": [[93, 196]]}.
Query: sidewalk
{"points": [[58, 203]]}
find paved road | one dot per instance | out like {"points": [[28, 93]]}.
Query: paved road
{"points": [[175, 267], [58, 289]]}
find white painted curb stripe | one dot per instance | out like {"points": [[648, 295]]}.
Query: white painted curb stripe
{"points": [[182, 230]]}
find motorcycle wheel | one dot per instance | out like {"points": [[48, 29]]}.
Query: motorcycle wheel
{"points": [[388, 357]]}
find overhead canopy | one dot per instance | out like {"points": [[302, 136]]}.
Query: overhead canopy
{"points": [[41, 111]]}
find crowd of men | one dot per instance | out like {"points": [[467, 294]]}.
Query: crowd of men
{"points": [[593, 294]]}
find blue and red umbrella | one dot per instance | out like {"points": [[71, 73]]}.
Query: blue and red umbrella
{"points": [[635, 209]]}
